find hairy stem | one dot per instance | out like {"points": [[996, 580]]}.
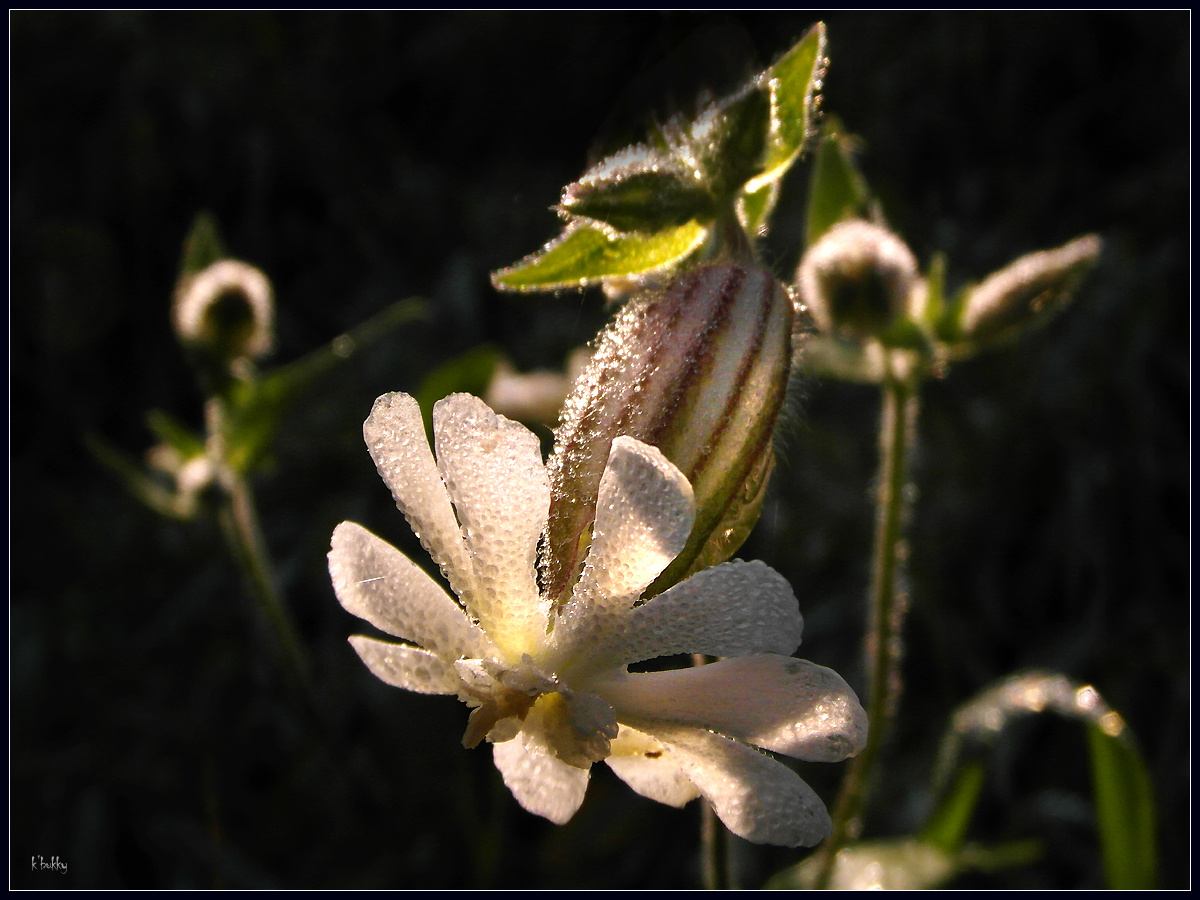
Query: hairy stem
{"points": [[897, 428]]}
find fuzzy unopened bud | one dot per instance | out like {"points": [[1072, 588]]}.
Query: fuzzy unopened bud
{"points": [[1027, 291], [857, 280], [225, 311], [698, 369]]}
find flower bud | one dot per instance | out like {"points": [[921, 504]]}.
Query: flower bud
{"points": [[225, 311], [1027, 291], [698, 369], [857, 280]]}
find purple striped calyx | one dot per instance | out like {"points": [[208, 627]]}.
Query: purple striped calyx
{"points": [[698, 369]]}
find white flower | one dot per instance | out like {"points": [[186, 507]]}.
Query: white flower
{"points": [[550, 688]]}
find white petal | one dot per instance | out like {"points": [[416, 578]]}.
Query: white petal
{"points": [[375, 581], [493, 469], [541, 783], [787, 705], [648, 766], [410, 668], [757, 797], [644, 515], [733, 609], [395, 435]]}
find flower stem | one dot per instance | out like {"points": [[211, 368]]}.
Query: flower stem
{"points": [[897, 429], [714, 839], [239, 523]]}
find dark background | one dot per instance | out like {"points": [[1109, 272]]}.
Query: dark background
{"points": [[359, 158]]}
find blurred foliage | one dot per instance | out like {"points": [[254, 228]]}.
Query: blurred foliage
{"points": [[361, 158]]}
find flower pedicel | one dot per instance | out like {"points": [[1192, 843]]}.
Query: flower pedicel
{"points": [[548, 684]]}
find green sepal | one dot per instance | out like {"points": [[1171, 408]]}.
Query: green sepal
{"points": [[638, 191], [586, 254], [837, 190], [203, 245]]}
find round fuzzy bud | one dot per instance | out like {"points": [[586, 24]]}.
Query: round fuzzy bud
{"points": [[857, 279], [1027, 291], [225, 311], [698, 369]]}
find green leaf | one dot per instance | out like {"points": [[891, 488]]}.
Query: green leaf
{"points": [[794, 82], [203, 245], [753, 208], [141, 485], [171, 431], [836, 189], [468, 373], [586, 254], [1123, 793], [257, 406], [638, 191], [731, 140], [1124, 807], [947, 826]]}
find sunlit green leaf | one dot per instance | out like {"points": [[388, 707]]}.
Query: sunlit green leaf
{"points": [[795, 84], [586, 254], [837, 190], [731, 139], [638, 195], [1124, 807]]}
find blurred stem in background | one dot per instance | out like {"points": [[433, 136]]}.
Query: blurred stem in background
{"points": [[897, 431]]}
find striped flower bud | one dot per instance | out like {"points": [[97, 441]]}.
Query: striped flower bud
{"points": [[857, 280], [698, 369]]}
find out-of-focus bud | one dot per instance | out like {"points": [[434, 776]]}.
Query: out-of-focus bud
{"points": [[533, 396], [857, 280], [698, 369], [1027, 291], [225, 311]]}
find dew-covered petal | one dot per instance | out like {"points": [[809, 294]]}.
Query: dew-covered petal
{"points": [[395, 436], [405, 667], [375, 581], [757, 797], [733, 609], [648, 766], [541, 783], [791, 706], [493, 469], [644, 515]]}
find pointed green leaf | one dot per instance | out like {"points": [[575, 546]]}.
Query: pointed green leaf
{"points": [[586, 254], [754, 208], [795, 83], [947, 826], [637, 192], [730, 139], [1124, 807], [203, 245], [174, 433], [836, 189], [469, 373], [140, 484]]}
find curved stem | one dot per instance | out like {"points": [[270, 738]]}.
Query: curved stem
{"points": [[897, 428]]}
